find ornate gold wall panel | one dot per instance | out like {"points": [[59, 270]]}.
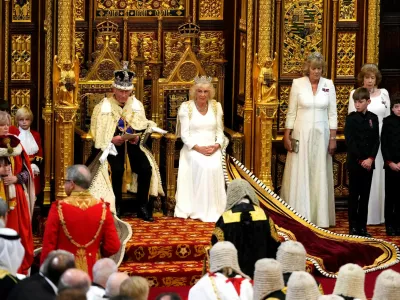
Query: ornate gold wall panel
{"points": [[21, 57], [173, 50], [212, 46], [240, 110], [342, 102], [66, 31], [346, 54], [302, 33], [264, 31], [80, 47], [211, 10], [242, 64], [80, 10], [21, 11], [347, 10], [284, 91], [340, 175], [373, 31], [147, 44], [141, 8], [21, 97]]}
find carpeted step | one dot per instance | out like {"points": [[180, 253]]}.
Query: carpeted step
{"points": [[166, 274], [167, 239]]}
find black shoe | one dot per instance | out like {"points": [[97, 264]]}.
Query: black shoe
{"points": [[353, 231], [143, 213], [390, 231], [364, 232]]}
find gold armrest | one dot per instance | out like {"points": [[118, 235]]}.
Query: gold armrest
{"points": [[235, 143]]}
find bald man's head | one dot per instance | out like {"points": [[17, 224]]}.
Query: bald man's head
{"points": [[75, 279], [80, 175], [114, 283]]}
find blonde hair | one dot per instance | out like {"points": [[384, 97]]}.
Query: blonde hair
{"points": [[195, 87], [367, 69], [5, 118], [314, 59], [136, 287], [23, 112]]}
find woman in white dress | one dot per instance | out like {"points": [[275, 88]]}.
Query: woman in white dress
{"points": [[370, 77], [311, 119], [201, 188]]}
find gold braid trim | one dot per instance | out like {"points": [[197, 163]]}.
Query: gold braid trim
{"points": [[214, 287], [273, 232], [219, 234], [81, 253]]}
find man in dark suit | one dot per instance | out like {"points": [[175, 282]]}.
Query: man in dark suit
{"points": [[362, 138], [43, 285], [390, 145]]}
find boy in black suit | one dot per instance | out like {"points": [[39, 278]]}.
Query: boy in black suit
{"points": [[362, 138], [390, 145]]}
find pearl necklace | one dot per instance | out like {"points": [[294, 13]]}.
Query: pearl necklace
{"points": [[199, 109]]}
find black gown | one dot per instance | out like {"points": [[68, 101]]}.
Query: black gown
{"points": [[251, 231]]}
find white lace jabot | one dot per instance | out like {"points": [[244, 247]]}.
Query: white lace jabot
{"points": [[28, 141]]}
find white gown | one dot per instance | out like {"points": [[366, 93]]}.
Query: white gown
{"points": [[307, 183], [216, 287], [380, 106], [200, 190]]}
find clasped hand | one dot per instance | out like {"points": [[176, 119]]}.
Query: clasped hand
{"points": [[7, 177], [367, 163], [207, 150], [395, 167], [118, 140]]}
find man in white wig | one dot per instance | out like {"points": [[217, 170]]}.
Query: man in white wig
{"points": [[11, 254], [292, 256], [116, 124], [268, 280], [225, 281], [302, 286], [350, 282], [387, 286]]}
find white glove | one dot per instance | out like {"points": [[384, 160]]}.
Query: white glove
{"points": [[158, 130], [109, 150], [35, 169]]}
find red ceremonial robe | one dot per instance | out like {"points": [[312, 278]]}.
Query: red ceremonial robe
{"points": [[35, 158], [83, 226], [20, 213]]}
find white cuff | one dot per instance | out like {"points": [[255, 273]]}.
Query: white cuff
{"points": [[109, 150]]}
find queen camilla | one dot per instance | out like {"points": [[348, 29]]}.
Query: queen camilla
{"points": [[201, 188]]}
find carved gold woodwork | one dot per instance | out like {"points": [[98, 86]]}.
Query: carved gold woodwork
{"points": [[240, 110], [80, 10], [346, 54], [65, 97], [347, 10], [147, 39], [21, 11], [170, 176], [334, 37], [265, 98], [47, 111], [66, 31], [248, 105], [21, 57], [80, 47], [173, 50], [342, 102], [340, 175], [19, 98], [141, 8], [373, 31], [265, 32], [211, 48], [284, 92], [139, 62], [303, 26], [211, 10], [242, 63], [155, 66]]}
